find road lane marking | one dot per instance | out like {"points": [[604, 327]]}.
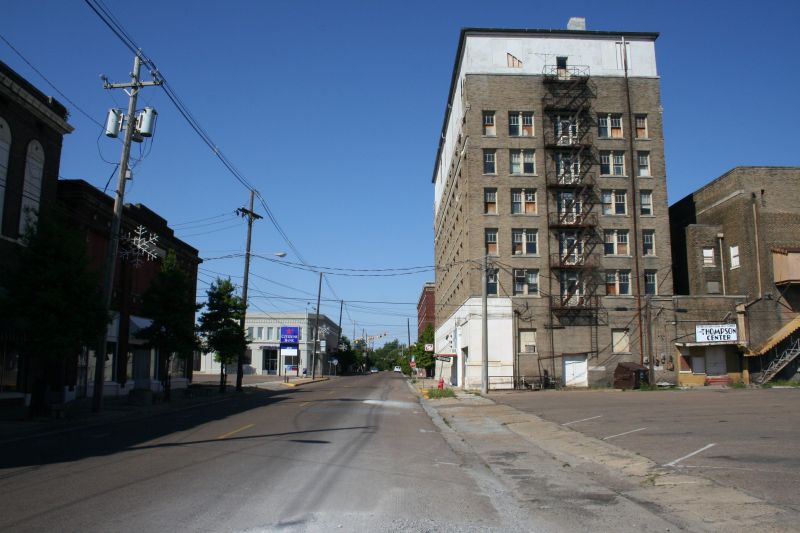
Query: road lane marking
{"points": [[581, 420], [679, 459], [626, 433], [228, 434]]}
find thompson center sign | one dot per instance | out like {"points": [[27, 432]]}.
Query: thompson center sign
{"points": [[716, 333]]}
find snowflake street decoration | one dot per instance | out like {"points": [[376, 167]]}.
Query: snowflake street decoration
{"points": [[139, 246]]}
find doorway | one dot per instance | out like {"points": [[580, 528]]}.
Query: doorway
{"points": [[269, 364], [576, 370], [715, 361]]}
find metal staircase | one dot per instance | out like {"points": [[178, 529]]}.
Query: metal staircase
{"points": [[779, 363]]}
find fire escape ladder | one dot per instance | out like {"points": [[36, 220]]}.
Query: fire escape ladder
{"points": [[779, 363]]}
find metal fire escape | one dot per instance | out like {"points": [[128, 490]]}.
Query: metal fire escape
{"points": [[572, 219]]}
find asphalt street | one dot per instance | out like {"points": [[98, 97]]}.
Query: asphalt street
{"points": [[352, 454]]}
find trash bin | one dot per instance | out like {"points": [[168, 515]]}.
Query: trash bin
{"points": [[630, 376]]}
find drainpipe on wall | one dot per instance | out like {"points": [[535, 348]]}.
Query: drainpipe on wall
{"points": [[758, 248], [721, 262], [741, 327]]}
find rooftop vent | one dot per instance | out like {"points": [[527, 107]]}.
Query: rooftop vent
{"points": [[577, 23]]}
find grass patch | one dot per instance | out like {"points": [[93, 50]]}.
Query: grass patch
{"points": [[782, 383], [738, 385], [435, 394]]}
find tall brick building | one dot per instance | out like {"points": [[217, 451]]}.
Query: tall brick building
{"points": [[426, 307], [32, 129], [550, 167], [740, 235]]}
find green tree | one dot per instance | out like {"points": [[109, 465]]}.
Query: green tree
{"points": [[54, 299], [170, 302], [424, 359], [221, 325]]}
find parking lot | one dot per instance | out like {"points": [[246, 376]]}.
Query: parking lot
{"points": [[745, 439]]}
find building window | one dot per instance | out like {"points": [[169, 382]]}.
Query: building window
{"points": [[610, 126], [616, 242], [650, 282], [648, 242], [527, 341], [646, 203], [31, 186], [620, 341], [522, 162], [488, 124], [612, 163], [614, 202], [523, 201], [270, 333], [490, 201], [526, 282], [708, 257], [568, 166], [565, 129], [734, 257], [491, 282], [249, 334], [641, 127], [643, 163], [259, 333], [523, 241], [489, 166], [5, 151], [491, 241], [520, 124], [618, 282]]}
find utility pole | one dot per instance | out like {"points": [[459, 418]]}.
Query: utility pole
{"points": [[649, 319], [339, 336], [251, 216], [116, 220], [485, 326], [408, 329], [316, 331]]}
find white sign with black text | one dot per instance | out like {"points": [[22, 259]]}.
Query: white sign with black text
{"points": [[716, 333]]}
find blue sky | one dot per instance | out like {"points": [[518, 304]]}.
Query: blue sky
{"points": [[333, 110]]}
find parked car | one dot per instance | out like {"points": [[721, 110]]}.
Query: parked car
{"points": [[373, 370], [398, 369]]}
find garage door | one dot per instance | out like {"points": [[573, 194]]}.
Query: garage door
{"points": [[576, 371]]}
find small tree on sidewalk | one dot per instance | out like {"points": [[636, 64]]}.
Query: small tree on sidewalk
{"points": [[170, 302], [221, 325], [54, 300], [424, 359]]}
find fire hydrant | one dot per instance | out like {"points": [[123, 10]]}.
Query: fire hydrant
{"points": [[441, 383]]}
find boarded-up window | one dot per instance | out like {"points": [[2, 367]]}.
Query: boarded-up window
{"points": [[527, 341], [5, 149], [513, 62], [620, 341], [32, 185]]}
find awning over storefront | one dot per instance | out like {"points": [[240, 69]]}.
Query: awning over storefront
{"points": [[693, 344], [776, 337]]}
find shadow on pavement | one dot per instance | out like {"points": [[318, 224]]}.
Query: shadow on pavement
{"points": [[71, 443]]}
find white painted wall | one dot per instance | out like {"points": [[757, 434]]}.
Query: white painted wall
{"points": [[486, 54], [464, 330]]}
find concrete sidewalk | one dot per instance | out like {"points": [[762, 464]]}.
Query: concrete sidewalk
{"points": [[579, 482], [78, 414]]}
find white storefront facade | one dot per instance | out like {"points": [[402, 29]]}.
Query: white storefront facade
{"points": [[461, 336], [268, 356]]}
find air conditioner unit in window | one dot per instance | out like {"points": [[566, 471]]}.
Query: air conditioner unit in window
{"points": [[529, 348]]}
